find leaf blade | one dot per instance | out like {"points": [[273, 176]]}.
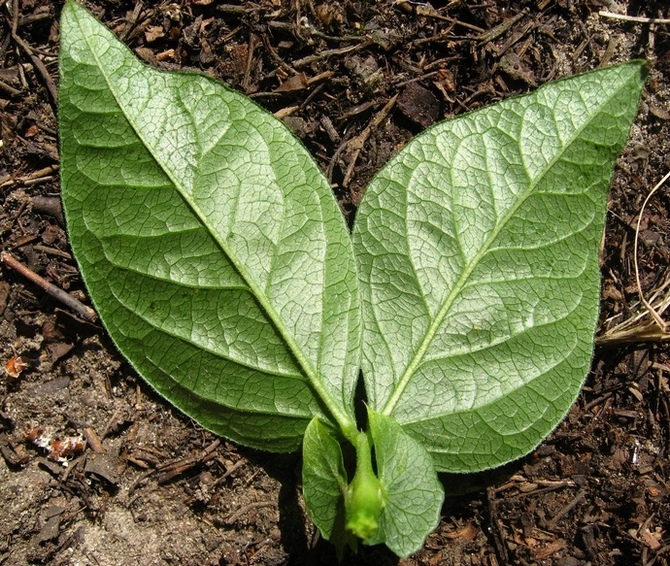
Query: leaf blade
{"points": [[211, 244], [324, 481], [413, 494], [464, 265]]}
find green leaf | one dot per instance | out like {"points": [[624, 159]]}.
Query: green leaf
{"points": [[210, 243], [477, 249], [324, 478], [413, 493], [324, 483]]}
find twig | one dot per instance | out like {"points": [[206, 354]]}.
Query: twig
{"points": [[494, 527], [41, 68], [170, 470], [427, 11], [93, 440], [652, 311], [551, 524], [236, 466], [87, 313], [234, 9], [253, 41], [32, 178], [246, 508], [359, 141], [9, 89], [637, 19], [37, 62], [326, 53], [489, 35]]}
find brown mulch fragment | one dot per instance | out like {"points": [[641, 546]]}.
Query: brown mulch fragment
{"points": [[419, 104]]}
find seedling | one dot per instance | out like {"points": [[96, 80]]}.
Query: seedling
{"points": [[217, 257]]}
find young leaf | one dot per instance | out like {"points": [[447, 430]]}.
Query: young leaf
{"points": [[477, 248], [412, 492], [210, 243], [324, 478]]}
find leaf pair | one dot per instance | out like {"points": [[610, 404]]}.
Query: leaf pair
{"points": [[217, 257]]}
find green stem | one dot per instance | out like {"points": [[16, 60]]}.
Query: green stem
{"points": [[364, 498]]}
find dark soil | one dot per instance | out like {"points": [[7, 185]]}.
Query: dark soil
{"points": [[145, 485]]}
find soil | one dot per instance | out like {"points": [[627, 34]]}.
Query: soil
{"points": [[98, 470]]}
